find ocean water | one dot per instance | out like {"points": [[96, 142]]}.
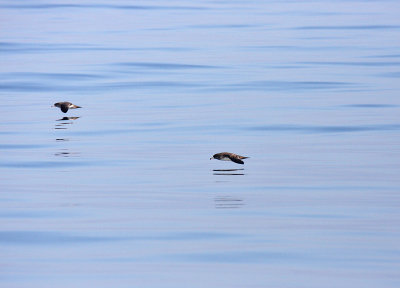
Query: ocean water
{"points": [[122, 193]]}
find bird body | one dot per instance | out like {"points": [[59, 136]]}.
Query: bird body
{"points": [[226, 156], [64, 106]]}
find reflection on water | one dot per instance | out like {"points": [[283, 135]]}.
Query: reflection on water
{"points": [[67, 121], [227, 171], [66, 153], [226, 202], [67, 118]]}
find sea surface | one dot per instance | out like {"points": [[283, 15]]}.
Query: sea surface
{"points": [[122, 192]]}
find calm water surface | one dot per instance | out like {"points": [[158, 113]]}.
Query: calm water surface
{"points": [[121, 193]]}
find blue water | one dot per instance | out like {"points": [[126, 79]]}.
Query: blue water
{"points": [[121, 193]]}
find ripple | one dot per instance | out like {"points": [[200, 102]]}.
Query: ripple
{"points": [[21, 86], [22, 146], [184, 236], [44, 164], [238, 257], [17, 47], [385, 56], [349, 27], [345, 63], [51, 76], [25, 87], [45, 238], [326, 129], [370, 106], [390, 74], [164, 66], [289, 85], [222, 26], [228, 202], [147, 85], [98, 6]]}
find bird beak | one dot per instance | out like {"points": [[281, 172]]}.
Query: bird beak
{"points": [[211, 158]]}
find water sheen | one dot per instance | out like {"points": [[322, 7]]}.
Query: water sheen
{"points": [[121, 193]]}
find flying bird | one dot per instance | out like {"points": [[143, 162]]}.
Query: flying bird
{"points": [[64, 106], [226, 156]]}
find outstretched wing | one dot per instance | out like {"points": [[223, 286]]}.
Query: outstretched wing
{"points": [[236, 160], [64, 107]]}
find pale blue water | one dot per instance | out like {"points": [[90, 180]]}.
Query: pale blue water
{"points": [[123, 193]]}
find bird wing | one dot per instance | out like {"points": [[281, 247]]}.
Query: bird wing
{"points": [[236, 160], [64, 107]]}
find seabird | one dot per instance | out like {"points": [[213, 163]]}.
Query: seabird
{"points": [[226, 156], [64, 106]]}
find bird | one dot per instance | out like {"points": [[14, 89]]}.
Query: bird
{"points": [[226, 156], [64, 106]]}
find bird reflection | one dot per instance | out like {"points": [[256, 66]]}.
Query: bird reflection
{"points": [[67, 121], [226, 202], [66, 153], [63, 124], [228, 171], [67, 118]]}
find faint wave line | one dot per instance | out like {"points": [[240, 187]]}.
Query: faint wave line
{"points": [[22, 146], [390, 74], [44, 164], [13, 86], [370, 106], [348, 27], [350, 63], [165, 66], [289, 85], [99, 6], [15, 47], [60, 76], [325, 129], [46, 238]]}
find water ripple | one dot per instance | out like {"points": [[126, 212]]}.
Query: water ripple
{"points": [[238, 257], [390, 74], [22, 146], [21, 86], [349, 27], [164, 66], [43, 164], [289, 85], [26, 87], [16, 47], [370, 106], [345, 63], [326, 129], [52, 76], [45, 238], [222, 26], [99, 6]]}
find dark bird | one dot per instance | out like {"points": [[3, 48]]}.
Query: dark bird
{"points": [[64, 106], [226, 156]]}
